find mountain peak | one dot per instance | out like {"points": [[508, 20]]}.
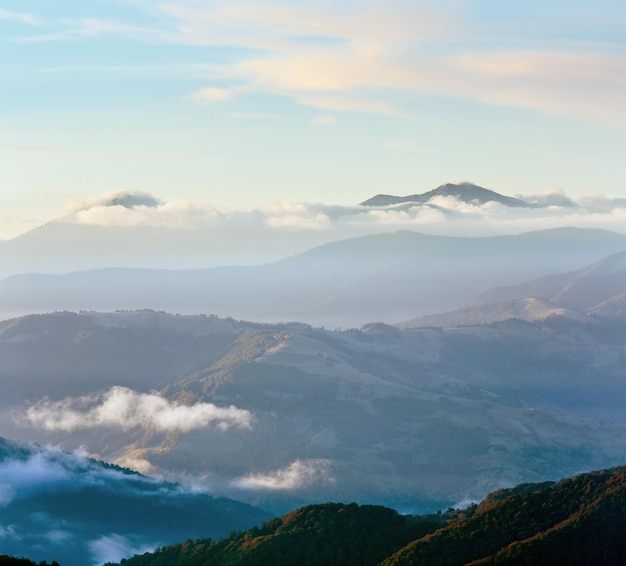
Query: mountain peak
{"points": [[465, 192]]}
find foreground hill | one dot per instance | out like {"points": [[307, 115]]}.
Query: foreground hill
{"points": [[80, 511], [283, 415], [386, 277], [332, 534], [575, 521]]}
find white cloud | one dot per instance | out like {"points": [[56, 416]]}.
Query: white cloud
{"points": [[298, 474], [324, 121], [124, 408], [212, 94], [445, 215], [114, 547], [21, 17]]}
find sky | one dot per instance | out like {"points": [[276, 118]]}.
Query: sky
{"points": [[236, 104]]}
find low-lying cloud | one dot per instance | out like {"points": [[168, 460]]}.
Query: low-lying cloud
{"points": [[114, 547], [39, 469], [124, 408], [440, 215], [298, 474]]}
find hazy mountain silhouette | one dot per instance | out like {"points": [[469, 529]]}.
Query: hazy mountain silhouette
{"points": [[465, 192], [387, 277], [599, 288]]}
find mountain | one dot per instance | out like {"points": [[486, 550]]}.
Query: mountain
{"points": [[333, 534], [580, 520], [465, 192], [529, 309], [66, 507], [576, 521], [61, 246], [599, 288], [581, 295], [282, 415], [386, 277]]}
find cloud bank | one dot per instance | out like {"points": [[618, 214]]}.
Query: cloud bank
{"points": [[298, 474], [441, 215], [124, 408]]}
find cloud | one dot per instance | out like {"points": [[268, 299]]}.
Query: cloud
{"points": [[21, 17], [364, 56], [445, 215], [38, 469], [114, 547], [323, 54], [123, 199], [212, 94], [122, 407], [553, 197], [298, 474], [324, 121]]}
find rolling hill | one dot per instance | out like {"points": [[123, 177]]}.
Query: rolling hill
{"points": [[284, 415]]}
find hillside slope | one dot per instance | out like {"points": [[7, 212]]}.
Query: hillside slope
{"points": [[78, 511], [577, 521], [284, 415]]}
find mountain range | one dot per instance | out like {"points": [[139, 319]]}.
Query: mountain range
{"points": [[386, 277], [137, 230]]}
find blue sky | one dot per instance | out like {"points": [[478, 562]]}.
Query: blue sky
{"points": [[239, 103]]}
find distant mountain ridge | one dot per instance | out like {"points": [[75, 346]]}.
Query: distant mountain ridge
{"points": [[384, 277], [465, 192], [597, 288], [583, 295]]}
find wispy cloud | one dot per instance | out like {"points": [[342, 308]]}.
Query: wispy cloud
{"points": [[298, 474], [324, 121], [21, 17], [366, 56], [319, 53], [122, 407], [212, 94]]}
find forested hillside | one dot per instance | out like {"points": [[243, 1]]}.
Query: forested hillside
{"points": [[577, 521]]}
